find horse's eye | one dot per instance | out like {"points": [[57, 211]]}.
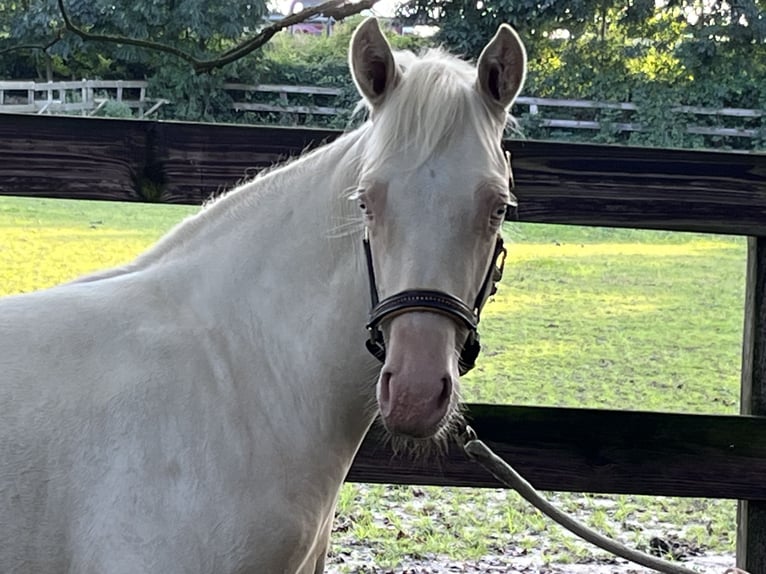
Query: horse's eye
{"points": [[362, 206], [501, 211]]}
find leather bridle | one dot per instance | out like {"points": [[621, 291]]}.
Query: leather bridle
{"points": [[436, 302]]}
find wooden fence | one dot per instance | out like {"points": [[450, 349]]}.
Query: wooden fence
{"points": [[585, 450], [88, 97], [243, 95]]}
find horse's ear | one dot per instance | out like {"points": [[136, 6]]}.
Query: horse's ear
{"points": [[372, 63], [502, 67]]}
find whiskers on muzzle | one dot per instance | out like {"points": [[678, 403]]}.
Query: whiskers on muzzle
{"points": [[433, 447]]}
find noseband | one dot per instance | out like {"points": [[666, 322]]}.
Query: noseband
{"points": [[436, 302]]}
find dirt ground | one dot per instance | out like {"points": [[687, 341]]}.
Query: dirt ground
{"points": [[527, 563]]}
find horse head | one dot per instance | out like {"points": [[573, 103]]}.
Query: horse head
{"points": [[434, 191]]}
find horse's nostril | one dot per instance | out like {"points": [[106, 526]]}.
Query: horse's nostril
{"points": [[384, 389], [446, 394]]}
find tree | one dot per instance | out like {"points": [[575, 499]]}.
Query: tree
{"points": [[725, 51], [467, 25], [610, 48], [206, 35], [187, 49]]}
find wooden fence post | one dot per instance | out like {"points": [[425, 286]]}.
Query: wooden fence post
{"points": [[751, 515], [90, 102], [84, 96], [142, 102]]}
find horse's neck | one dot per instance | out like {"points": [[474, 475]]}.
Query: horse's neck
{"points": [[288, 293]]}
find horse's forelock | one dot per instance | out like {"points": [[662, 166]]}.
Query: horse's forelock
{"points": [[435, 100]]}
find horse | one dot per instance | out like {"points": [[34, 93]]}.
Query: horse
{"points": [[198, 409]]}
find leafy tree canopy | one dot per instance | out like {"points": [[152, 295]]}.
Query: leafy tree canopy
{"points": [[614, 48], [205, 35]]}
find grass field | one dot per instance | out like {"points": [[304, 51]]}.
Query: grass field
{"points": [[585, 317]]}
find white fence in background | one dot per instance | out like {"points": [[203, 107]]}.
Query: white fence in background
{"points": [[88, 97]]}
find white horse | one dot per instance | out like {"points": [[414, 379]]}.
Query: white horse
{"points": [[197, 410]]}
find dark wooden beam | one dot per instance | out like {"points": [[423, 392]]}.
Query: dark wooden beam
{"points": [[194, 161], [643, 188], [751, 519], [72, 158], [556, 182], [591, 450]]}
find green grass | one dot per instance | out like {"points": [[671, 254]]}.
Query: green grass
{"points": [[615, 319], [44, 242], [584, 317]]}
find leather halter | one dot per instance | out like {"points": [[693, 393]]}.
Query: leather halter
{"points": [[436, 302]]}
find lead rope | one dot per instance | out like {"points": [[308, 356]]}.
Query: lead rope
{"points": [[503, 472]]}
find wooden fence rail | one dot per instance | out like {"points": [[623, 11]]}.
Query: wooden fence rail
{"points": [[87, 97], [538, 109], [558, 449]]}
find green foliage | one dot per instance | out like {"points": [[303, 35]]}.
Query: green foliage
{"points": [[657, 57], [683, 53], [318, 61], [192, 97], [115, 109], [195, 26], [150, 191]]}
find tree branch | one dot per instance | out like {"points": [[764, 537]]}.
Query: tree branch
{"points": [[122, 40], [41, 47], [336, 9]]}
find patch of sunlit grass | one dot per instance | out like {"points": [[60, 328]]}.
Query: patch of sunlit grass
{"points": [[46, 242], [597, 323], [521, 252]]}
